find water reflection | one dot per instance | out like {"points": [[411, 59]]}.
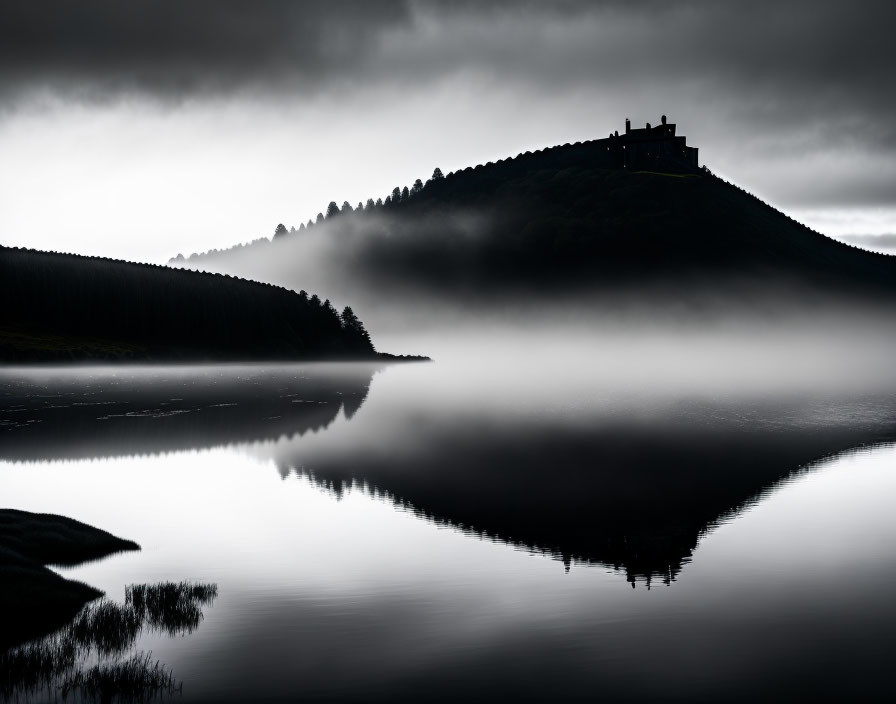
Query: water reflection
{"points": [[627, 483], [352, 600], [106, 412], [631, 492]]}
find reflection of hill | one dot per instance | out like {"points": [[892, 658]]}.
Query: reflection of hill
{"points": [[628, 494], [106, 412]]}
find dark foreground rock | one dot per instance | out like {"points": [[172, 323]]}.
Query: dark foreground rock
{"points": [[34, 600]]}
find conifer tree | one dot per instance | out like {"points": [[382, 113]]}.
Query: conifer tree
{"points": [[352, 325]]}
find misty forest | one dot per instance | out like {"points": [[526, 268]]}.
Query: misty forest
{"points": [[433, 352]]}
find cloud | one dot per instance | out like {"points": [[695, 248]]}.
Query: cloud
{"points": [[170, 48], [825, 51]]}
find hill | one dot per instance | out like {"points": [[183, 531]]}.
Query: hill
{"points": [[558, 221], [60, 307]]}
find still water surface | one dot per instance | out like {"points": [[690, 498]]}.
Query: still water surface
{"points": [[429, 531]]}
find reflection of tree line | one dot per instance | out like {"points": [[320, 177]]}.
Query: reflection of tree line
{"points": [[107, 630], [637, 501], [143, 414]]}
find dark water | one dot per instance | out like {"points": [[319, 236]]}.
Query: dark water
{"points": [[479, 531]]}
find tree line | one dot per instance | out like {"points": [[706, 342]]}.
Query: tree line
{"points": [[63, 306], [396, 197]]}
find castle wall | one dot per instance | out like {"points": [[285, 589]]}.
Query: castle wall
{"points": [[655, 148]]}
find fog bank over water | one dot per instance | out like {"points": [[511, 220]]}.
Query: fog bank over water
{"points": [[696, 331], [824, 357]]}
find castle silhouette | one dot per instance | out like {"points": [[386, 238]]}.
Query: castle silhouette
{"points": [[650, 148]]}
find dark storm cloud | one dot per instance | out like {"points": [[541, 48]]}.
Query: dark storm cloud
{"points": [[172, 47], [776, 80], [830, 52]]}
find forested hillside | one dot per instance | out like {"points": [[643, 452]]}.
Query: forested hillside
{"points": [[65, 307], [556, 218]]}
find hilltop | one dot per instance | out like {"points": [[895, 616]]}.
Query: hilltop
{"points": [[576, 218], [61, 307]]}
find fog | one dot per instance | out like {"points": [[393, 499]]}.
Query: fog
{"points": [[726, 335]]}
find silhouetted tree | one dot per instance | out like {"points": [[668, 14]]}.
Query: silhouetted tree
{"points": [[280, 230], [405, 193], [388, 200], [355, 328], [370, 205], [292, 229], [437, 174], [417, 187], [332, 209], [320, 217], [379, 202], [396, 195], [347, 207]]}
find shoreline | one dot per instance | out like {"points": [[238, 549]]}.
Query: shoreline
{"points": [[35, 600]]}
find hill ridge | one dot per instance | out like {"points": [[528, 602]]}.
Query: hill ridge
{"points": [[520, 158]]}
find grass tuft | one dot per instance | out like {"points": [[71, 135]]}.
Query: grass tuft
{"points": [[137, 678], [170, 607]]}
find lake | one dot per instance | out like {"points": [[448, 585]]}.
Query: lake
{"points": [[482, 530]]}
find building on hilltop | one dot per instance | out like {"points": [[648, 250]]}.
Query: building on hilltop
{"points": [[650, 148]]}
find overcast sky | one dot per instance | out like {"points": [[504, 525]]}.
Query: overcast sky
{"points": [[145, 128]]}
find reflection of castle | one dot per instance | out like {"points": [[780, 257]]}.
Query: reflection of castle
{"points": [[650, 148]]}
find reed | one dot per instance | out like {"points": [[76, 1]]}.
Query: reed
{"points": [[174, 608], [55, 664], [135, 679]]}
